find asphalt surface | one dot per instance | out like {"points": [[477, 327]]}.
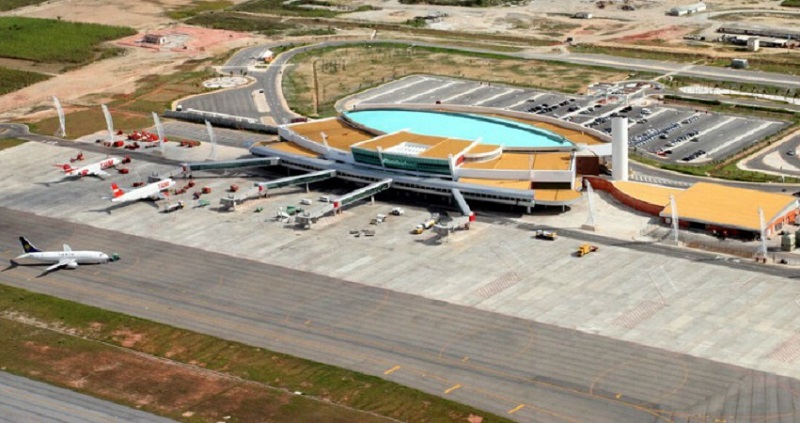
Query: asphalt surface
{"points": [[522, 369], [239, 101], [24, 400]]}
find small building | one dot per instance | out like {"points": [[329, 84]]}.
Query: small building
{"points": [[688, 9], [739, 63], [731, 210], [753, 44], [156, 39], [582, 15]]}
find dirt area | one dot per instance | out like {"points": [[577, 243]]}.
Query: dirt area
{"points": [[100, 81], [608, 22], [666, 33], [60, 356], [345, 71]]}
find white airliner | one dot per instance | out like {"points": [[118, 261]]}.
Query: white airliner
{"points": [[94, 169], [150, 191], [66, 258]]}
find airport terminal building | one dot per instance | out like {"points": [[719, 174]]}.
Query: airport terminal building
{"points": [[487, 156]]}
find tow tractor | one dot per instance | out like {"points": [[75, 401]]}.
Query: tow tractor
{"points": [[548, 235], [586, 249]]}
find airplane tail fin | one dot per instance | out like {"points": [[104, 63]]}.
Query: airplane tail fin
{"points": [[66, 167], [116, 190], [27, 246]]}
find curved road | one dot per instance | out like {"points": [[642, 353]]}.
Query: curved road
{"points": [[269, 80]]}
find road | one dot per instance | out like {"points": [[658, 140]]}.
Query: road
{"points": [[239, 101], [522, 369], [25, 400]]}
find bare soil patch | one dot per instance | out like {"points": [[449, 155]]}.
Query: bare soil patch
{"points": [[345, 71]]}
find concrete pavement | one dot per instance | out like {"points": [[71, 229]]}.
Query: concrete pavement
{"points": [[25, 400]]}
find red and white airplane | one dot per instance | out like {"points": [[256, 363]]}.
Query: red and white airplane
{"points": [[94, 169], [148, 192]]}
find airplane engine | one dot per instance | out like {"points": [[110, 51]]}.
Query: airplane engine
{"points": [[72, 265]]}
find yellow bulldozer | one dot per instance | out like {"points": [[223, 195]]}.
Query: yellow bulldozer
{"points": [[586, 249]]}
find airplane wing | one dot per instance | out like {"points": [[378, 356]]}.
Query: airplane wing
{"points": [[66, 248], [101, 173], [60, 264]]}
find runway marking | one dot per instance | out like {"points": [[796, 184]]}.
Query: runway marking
{"points": [[515, 409], [440, 87], [392, 370], [534, 97], [641, 312], [470, 91], [740, 137], [494, 97], [788, 351], [452, 388], [365, 99], [497, 286]]}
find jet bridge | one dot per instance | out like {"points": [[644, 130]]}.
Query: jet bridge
{"points": [[306, 218], [361, 193], [461, 222], [307, 178], [462, 204], [261, 189], [230, 164]]}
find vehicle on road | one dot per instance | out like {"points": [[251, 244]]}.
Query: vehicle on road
{"points": [[547, 235], [585, 249]]}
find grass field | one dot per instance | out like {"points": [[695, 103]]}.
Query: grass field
{"points": [[197, 7], [133, 111], [14, 4], [45, 40], [342, 71], [790, 3], [10, 142], [12, 80], [323, 8], [90, 362]]}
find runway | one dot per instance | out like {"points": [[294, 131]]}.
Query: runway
{"points": [[521, 369], [25, 400]]}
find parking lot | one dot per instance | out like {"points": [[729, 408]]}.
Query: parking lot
{"points": [[669, 133]]}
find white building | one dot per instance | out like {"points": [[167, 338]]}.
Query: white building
{"points": [[688, 9]]}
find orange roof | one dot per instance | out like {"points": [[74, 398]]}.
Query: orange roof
{"points": [[730, 206], [439, 147], [552, 161], [522, 161], [446, 148], [290, 147], [339, 135], [555, 196], [482, 149], [498, 183], [651, 194]]}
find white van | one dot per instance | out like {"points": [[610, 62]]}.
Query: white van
{"points": [[325, 199], [305, 201], [646, 111]]}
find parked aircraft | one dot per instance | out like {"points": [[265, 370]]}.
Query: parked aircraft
{"points": [[94, 169], [151, 191], [66, 258]]}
